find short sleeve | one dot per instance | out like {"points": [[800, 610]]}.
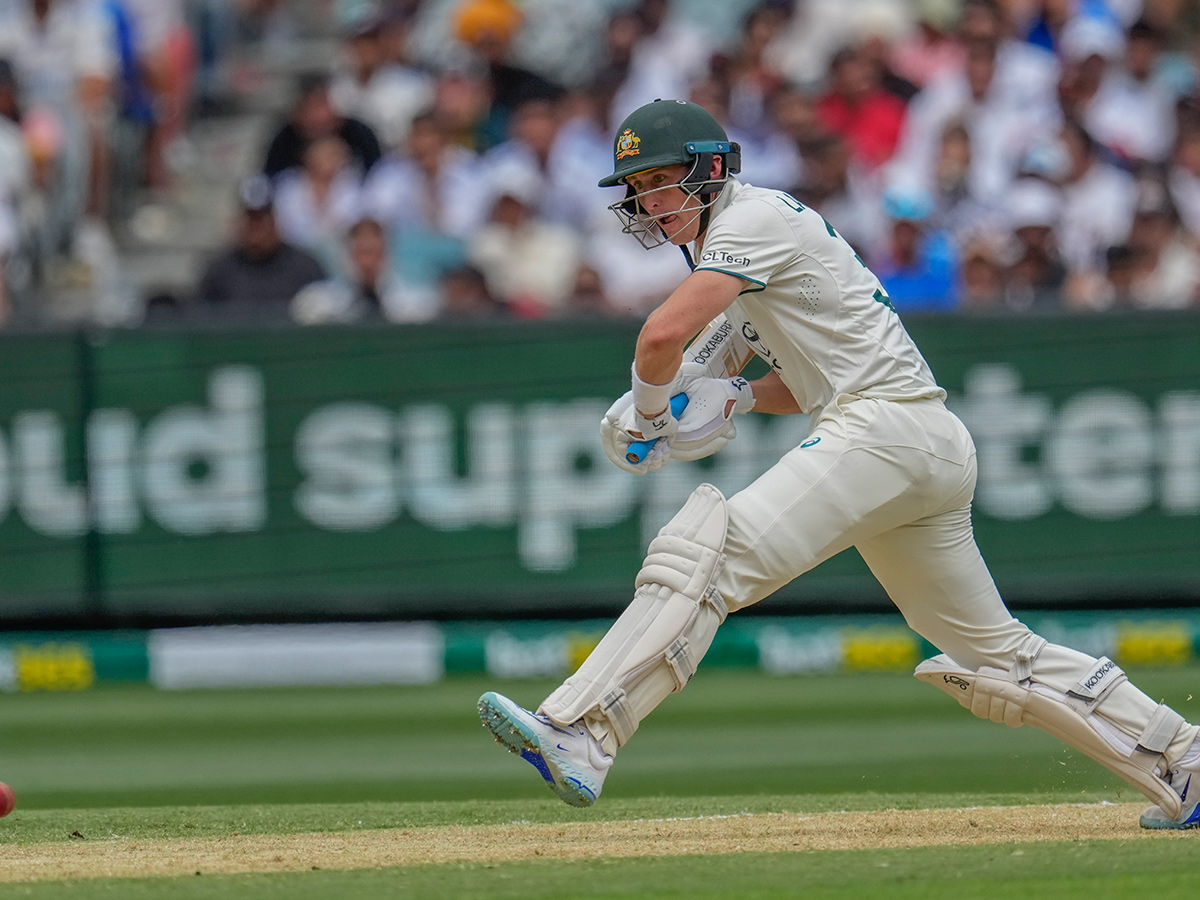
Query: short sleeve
{"points": [[94, 44], [751, 240]]}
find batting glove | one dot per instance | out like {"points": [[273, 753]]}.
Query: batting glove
{"points": [[706, 426], [615, 438]]}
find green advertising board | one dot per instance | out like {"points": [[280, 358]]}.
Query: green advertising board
{"points": [[427, 471]]}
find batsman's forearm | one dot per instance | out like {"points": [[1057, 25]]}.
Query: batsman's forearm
{"points": [[659, 353], [771, 395]]}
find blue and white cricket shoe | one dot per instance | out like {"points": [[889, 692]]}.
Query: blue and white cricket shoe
{"points": [[1187, 783], [569, 759]]}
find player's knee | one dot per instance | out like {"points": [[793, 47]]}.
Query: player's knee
{"points": [[997, 647]]}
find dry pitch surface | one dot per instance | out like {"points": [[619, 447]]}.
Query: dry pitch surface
{"points": [[114, 856]]}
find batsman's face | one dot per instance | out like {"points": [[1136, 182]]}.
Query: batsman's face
{"points": [[669, 206]]}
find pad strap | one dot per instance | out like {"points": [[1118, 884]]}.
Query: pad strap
{"points": [[615, 706], [1096, 684], [1164, 724], [1026, 653], [683, 664]]}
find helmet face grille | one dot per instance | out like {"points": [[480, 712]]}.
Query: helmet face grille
{"points": [[638, 221], [667, 133]]}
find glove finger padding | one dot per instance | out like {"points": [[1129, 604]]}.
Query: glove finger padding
{"points": [[615, 439], [714, 441], [688, 375], [619, 408]]}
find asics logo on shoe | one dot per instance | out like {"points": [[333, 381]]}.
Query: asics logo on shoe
{"points": [[1183, 794]]}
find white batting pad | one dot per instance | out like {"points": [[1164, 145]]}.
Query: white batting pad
{"points": [[653, 649], [992, 694]]}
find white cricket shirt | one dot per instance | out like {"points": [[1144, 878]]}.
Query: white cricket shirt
{"points": [[811, 308]]}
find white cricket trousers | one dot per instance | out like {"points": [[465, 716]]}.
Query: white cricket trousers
{"points": [[894, 479]]}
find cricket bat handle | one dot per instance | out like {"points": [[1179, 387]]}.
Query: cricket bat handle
{"points": [[639, 450]]}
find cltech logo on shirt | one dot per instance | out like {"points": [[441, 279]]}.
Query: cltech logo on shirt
{"points": [[728, 259], [627, 144], [811, 442]]}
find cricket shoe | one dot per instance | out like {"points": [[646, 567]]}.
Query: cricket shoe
{"points": [[1186, 780], [570, 759]]}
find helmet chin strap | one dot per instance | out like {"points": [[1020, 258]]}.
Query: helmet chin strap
{"points": [[705, 215], [706, 190]]}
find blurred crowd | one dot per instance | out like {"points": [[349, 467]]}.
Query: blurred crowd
{"points": [[979, 154]]}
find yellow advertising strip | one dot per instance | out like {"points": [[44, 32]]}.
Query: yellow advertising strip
{"points": [[1153, 643], [879, 649], [53, 667]]}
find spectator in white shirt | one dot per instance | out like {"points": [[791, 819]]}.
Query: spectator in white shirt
{"points": [[369, 291], [65, 57], [431, 198], [1000, 125], [1133, 113], [1169, 277], [1098, 205], [429, 185], [316, 204], [1087, 46], [373, 87], [530, 265], [533, 129], [669, 37], [1026, 75], [669, 56], [581, 156], [1183, 176]]}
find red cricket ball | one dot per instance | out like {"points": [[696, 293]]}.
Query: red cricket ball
{"points": [[7, 799]]}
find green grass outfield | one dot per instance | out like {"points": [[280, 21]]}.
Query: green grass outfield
{"points": [[138, 763]]}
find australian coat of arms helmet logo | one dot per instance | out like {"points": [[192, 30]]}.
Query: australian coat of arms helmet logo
{"points": [[627, 144]]}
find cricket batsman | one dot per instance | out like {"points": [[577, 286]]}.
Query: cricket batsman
{"points": [[885, 468]]}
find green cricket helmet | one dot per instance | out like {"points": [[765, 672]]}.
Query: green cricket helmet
{"points": [[667, 133]]}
